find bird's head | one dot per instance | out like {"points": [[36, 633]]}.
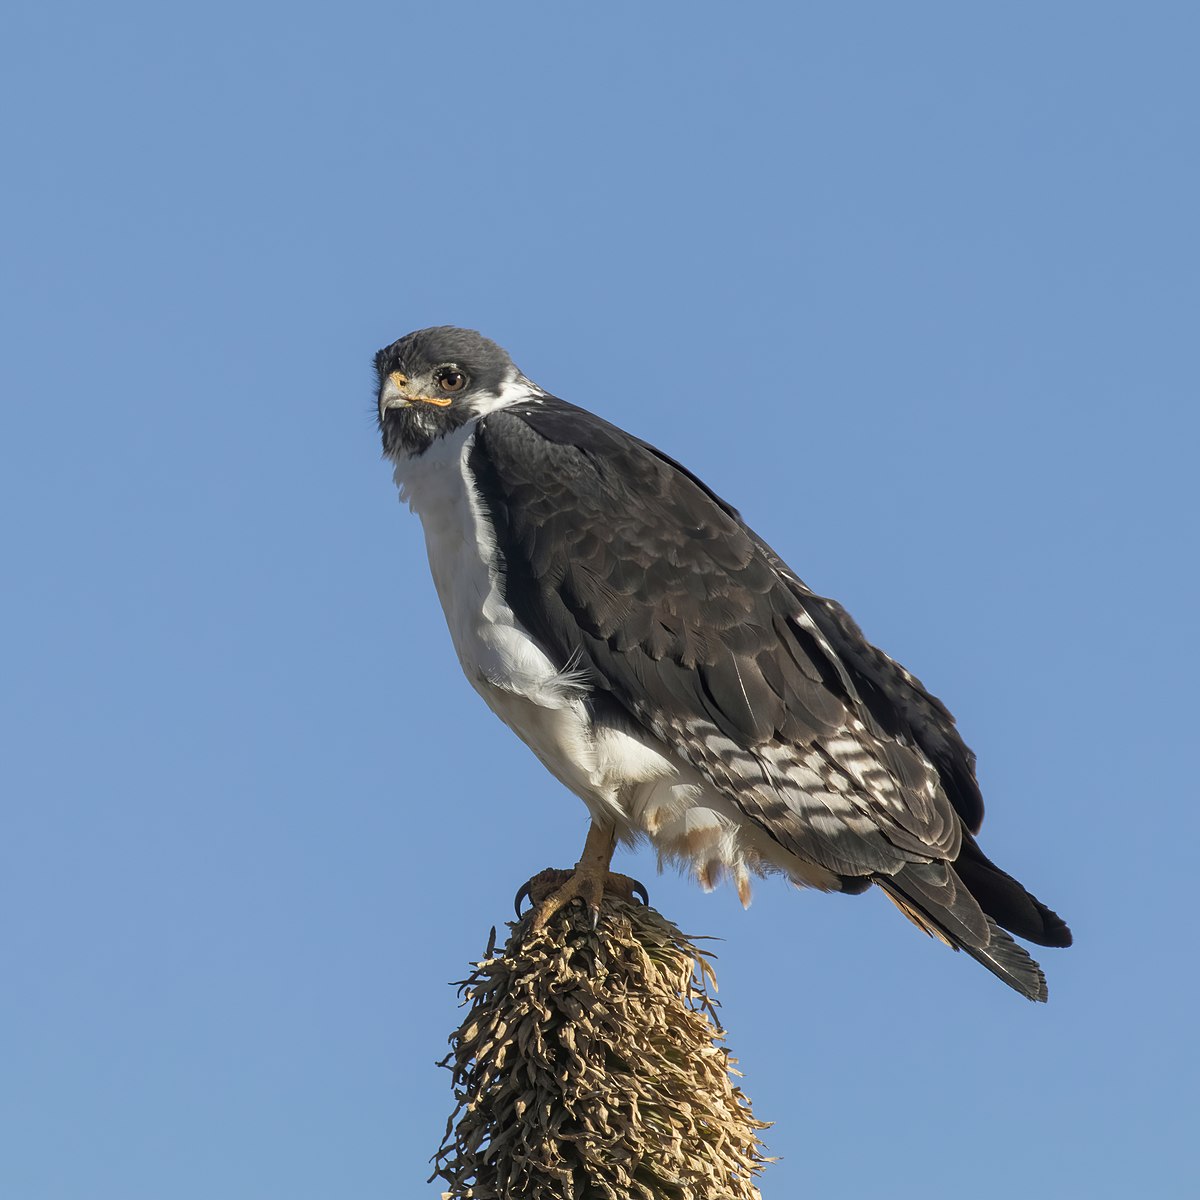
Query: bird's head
{"points": [[434, 381]]}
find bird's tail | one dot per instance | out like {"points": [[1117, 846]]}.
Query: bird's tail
{"points": [[939, 900], [1006, 901]]}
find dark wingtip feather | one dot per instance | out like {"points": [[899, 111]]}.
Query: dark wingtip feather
{"points": [[1008, 902]]}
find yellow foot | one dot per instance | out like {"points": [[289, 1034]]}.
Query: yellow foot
{"points": [[552, 889]]}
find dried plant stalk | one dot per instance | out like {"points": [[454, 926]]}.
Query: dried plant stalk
{"points": [[590, 1066]]}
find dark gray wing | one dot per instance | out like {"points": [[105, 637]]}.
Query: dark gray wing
{"points": [[624, 565]]}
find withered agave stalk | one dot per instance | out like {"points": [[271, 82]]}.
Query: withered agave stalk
{"points": [[591, 1066]]}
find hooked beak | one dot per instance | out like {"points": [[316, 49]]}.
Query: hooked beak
{"points": [[396, 394]]}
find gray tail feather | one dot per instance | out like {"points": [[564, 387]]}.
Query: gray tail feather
{"points": [[933, 897]]}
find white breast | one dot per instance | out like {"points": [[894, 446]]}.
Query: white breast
{"points": [[529, 692]]}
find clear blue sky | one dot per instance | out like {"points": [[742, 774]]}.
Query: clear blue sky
{"points": [[914, 285]]}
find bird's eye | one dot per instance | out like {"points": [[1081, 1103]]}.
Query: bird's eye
{"points": [[451, 379]]}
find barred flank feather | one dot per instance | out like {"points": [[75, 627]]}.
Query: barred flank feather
{"points": [[590, 1065]]}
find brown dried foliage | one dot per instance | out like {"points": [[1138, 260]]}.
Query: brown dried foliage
{"points": [[591, 1067]]}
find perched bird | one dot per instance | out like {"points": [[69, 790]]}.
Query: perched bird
{"points": [[670, 669]]}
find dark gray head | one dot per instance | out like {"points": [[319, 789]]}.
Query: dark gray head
{"points": [[435, 380]]}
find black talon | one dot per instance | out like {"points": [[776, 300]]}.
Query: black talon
{"points": [[522, 894], [639, 890]]}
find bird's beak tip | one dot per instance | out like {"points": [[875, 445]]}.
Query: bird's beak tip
{"points": [[393, 394]]}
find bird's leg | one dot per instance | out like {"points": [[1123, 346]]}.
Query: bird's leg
{"points": [[588, 882]]}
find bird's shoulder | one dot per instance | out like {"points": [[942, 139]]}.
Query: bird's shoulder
{"points": [[550, 464], [557, 434]]}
